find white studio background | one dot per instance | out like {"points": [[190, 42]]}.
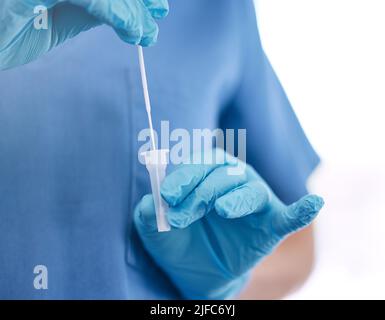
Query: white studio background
{"points": [[330, 57]]}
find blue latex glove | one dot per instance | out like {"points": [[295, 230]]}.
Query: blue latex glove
{"points": [[21, 42], [222, 226]]}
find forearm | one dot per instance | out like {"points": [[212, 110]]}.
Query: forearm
{"points": [[285, 270]]}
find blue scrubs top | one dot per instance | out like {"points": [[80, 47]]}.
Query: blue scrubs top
{"points": [[69, 172]]}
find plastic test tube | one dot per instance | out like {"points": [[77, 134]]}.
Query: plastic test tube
{"points": [[156, 160], [156, 163]]}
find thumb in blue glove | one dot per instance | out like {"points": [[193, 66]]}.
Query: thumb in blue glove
{"points": [[20, 43], [222, 226]]}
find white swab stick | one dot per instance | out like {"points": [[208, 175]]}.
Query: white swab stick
{"points": [[156, 160], [146, 95]]}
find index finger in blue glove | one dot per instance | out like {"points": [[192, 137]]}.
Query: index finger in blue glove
{"points": [[181, 182], [201, 200]]}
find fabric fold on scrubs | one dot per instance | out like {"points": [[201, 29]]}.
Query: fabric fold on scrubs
{"points": [[277, 146]]}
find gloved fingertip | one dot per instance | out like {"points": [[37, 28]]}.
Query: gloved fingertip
{"points": [[222, 208], [170, 196], [150, 36], [307, 208], [148, 42], [129, 39], [159, 13]]}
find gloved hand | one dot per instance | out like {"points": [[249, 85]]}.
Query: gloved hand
{"points": [[222, 226], [21, 42]]}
